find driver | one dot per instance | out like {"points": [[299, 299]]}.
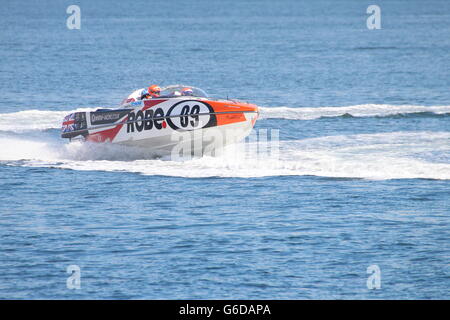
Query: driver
{"points": [[153, 91], [187, 92]]}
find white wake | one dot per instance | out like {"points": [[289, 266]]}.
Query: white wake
{"points": [[397, 155]]}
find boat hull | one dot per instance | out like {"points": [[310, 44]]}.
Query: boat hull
{"points": [[175, 126]]}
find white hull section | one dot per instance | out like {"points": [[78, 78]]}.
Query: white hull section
{"points": [[200, 142]]}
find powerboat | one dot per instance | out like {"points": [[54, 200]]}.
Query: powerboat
{"points": [[169, 124]]}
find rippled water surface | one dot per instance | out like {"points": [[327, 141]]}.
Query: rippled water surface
{"points": [[362, 178]]}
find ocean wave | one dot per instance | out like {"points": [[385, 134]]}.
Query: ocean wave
{"points": [[39, 120], [31, 120], [363, 110]]}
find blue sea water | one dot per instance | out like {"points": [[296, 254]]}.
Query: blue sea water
{"points": [[363, 177]]}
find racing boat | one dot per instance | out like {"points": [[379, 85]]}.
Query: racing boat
{"points": [[168, 124]]}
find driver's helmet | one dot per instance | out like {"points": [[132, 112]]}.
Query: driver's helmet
{"points": [[154, 90], [187, 92]]}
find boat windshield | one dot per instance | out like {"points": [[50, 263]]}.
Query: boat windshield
{"points": [[176, 90]]}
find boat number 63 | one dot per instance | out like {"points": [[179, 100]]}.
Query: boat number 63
{"points": [[193, 114]]}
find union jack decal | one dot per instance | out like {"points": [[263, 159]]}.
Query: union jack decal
{"points": [[69, 123]]}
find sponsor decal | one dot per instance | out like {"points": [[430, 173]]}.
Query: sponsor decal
{"points": [[185, 115], [105, 117]]}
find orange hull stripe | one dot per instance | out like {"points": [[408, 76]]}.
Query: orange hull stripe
{"points": [[223, 119]]}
